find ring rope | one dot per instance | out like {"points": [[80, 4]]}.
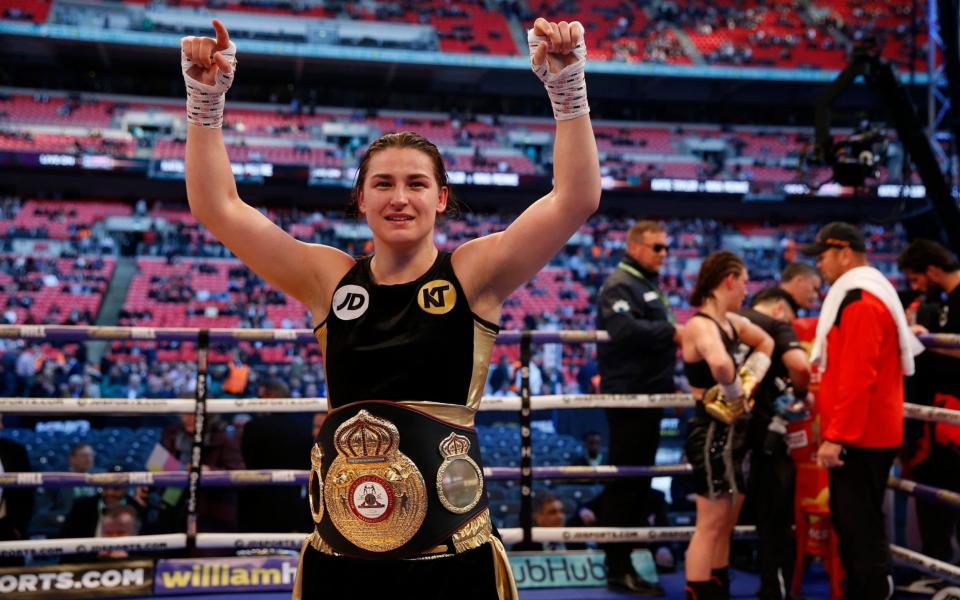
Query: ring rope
{"points": [[927, 492], [57, 547], [126, 406], [569, 535], [84, 333], [153, 543], [925, 563], [268, 477], [164, 406]]}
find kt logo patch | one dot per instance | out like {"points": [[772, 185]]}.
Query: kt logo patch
{"points": [[437, 297], [350, 302]]}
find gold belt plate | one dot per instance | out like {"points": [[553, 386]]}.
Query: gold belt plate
{"points": [[374, 494]]}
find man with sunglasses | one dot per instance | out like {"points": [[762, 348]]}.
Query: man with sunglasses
{"points": [[639, 359]]}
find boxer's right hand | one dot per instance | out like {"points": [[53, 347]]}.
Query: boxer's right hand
{"points": [[207, 56]]}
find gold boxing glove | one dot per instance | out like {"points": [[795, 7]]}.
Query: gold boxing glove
{"points": [[724, 402], [728, 402]]}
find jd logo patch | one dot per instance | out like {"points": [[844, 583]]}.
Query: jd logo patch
{"points": [[350, 302], [437, 297]]}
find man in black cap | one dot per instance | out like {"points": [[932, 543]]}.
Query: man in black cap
{"points": [[864, 348], [639, 359], [778, 399]]}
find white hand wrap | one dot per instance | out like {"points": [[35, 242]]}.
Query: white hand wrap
{"points": [[567, 88], [732, 390], [205, 102], [758, 363]]}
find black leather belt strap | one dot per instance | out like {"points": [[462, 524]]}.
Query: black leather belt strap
{"points": [[420, 438]]}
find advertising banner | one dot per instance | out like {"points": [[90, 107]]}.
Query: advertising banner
{"points": [[242, 574], [126, 578]]}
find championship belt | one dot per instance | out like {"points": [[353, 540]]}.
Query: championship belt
{"points": [[390, 481]]}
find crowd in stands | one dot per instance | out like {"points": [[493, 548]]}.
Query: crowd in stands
{"points": [[186, 279], [781, 33], [632, 154]]}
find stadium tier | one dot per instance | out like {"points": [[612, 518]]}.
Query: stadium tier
{"points": [[784, 34]]}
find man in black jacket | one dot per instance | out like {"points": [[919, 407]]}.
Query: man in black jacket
{"points": [[639, 359], [16, 504], [772, 472]]}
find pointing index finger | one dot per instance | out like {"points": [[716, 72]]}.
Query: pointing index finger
{"points": [[223, 38]]}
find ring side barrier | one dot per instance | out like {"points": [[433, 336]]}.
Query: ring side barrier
{"points": [[525, 403]]}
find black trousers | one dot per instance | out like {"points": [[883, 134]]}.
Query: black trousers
{"points": [[856, 509], [771, 490], [939, 524], [467, 576], [634, 438]]}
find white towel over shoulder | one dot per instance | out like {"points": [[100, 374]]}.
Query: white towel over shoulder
{"points": [[870, 280]]}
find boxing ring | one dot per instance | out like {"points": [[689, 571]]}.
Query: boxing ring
{"points": [[146, 577]]}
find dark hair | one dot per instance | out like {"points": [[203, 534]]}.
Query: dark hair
{"points": [[124, 509], [774, 294], [403, 139], [713, 271], [274, 388], [641, 227], [921, 254], [797, 269], [542, 499], [78, 447]]}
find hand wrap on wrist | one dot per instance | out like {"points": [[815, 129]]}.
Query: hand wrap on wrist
{"points": [[567, 88], [205, 102]]}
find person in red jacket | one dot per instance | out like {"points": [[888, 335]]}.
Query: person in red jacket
{"points": [[864, 348]]}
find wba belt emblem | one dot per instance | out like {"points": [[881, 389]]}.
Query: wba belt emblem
{"points": [[374, 494], [459, 478]]}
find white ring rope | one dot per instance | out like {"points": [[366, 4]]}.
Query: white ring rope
{"points": [[56, 547], [128, 406], [574, 535], [925, 563], [931, 413]]}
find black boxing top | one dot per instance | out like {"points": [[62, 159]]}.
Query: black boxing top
{"points": [[698, 373], [409, 341]]}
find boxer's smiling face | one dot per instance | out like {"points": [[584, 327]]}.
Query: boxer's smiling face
{"points": [[400, 196]]}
